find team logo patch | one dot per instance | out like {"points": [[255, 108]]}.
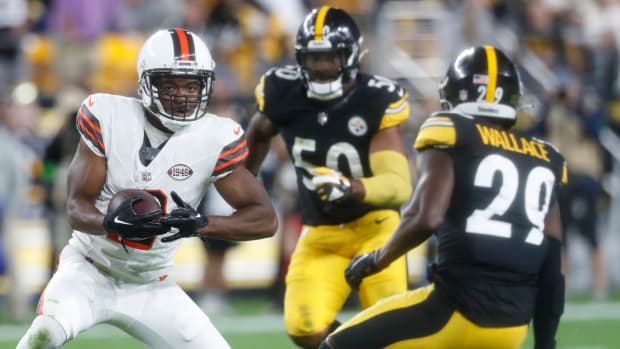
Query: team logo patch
{"points": [[180, 172], [358, 126]]}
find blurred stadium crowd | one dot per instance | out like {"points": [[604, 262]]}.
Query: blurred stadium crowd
{"points": [[53, 53]]}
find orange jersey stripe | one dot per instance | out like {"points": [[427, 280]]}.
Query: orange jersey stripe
{"points": [[231, 151], [232, 161], [91, 136], [92, 124]]}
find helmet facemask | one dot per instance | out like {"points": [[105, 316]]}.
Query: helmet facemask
{"points": [[327, 49], [176, 75], [326, 72], [175, 111]]}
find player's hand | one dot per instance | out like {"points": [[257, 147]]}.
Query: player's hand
{"points": [[361, 267], [185, 218], [330, 184], [126, 223]]}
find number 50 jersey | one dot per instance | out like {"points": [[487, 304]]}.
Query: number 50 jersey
{"points": [[491, 245], [335, 134]]}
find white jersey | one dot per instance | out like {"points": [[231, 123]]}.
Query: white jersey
{"points": [[198, 155]]}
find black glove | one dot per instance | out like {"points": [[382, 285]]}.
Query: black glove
{"points": [[185, 218], [127, 224], [361, 267]]}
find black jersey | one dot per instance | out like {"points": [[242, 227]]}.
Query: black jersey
{"points": [[491, 245], [335, 134]]}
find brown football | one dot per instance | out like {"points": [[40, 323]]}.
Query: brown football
{"points": [[148, 204]]}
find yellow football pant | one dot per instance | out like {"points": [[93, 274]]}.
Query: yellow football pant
{"points": [[420, 320], [315, 286]]}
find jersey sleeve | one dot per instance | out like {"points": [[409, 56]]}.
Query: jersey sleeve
{"points": [[231, 156], [272, 86], [438, 131], [396, 112], [90, 127], [259, 94]]}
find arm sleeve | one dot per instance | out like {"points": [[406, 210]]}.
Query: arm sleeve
{"points": [[550, 298], [230, 157], [391, 183]]}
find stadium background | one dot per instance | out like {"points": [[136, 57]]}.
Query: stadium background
{"points": [[53, 53]]}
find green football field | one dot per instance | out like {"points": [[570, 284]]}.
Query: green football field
{"points": [[588, 325]]}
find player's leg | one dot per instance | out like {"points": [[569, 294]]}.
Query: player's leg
{"points": [[44, 333], [65, 308], [315, 285], [419, 319], [374, 230], [161, 315]]}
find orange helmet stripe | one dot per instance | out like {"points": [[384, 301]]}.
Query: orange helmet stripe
{"points": [[184, 44]]}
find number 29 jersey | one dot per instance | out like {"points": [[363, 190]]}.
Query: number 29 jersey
{"points": [[335, 134], [491, 245]]}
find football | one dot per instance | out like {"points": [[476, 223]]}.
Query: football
{"points": [[148, 204]]}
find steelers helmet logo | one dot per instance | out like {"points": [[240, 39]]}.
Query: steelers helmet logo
{"points": [[358, 126]]}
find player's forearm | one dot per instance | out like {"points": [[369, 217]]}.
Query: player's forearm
{"points": [[409, 234], [391, 183], [550, 298], [249, 223], [85, 217], [420, 219]]}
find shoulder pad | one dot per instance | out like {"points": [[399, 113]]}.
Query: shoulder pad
{"points": [[274, 83], [437, 131]]}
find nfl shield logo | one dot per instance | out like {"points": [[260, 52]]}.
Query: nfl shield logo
{"points": [[146, 176]]}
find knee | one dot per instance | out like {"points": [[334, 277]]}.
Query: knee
{"points": [[44, 333]]}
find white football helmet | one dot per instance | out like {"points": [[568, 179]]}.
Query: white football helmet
{"points": [[175, 53]]}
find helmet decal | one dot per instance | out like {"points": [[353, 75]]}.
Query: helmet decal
{"points": [[492, 73], [320, 22], [183, 45]]}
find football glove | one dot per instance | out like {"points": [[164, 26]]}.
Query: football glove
{"points": [[127, 224], [185, 218], [361, 267], [330, 185]]}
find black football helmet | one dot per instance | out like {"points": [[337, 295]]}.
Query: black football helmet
{"points": [[482, 81], [328, 31]]}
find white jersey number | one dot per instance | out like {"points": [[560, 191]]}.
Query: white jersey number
{"points": [[488, 221], [333, 154]]}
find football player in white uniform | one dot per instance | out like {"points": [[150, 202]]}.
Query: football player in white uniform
{"points": [[115, 267]]}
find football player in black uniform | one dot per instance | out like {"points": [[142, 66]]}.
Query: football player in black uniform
{"points": [[489, 195], [341, 129]]}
